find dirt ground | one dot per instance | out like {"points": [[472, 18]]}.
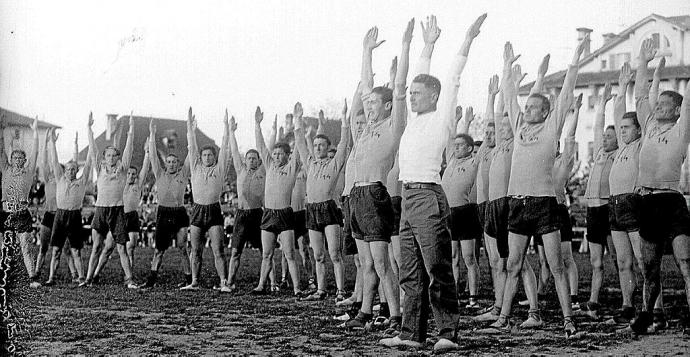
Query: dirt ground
{"points": [[110, 319]]}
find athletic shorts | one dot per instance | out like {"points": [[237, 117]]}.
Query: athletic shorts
{"points": [[111, 219], [624, 212], [397, 210], [566, 226], [464, 222], [20, 221], [48, 218], [169, 221], [67, 226], [598, 224], [663, 216], [496, 225], [277, 221], [371, 213], [481, 211], [206, 216], [300, 225], [132, 222], [322, 214], [349, 241], [532, 215], [247, 222]]}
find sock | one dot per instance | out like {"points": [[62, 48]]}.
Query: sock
{"points": [[188, 278], [384, 310], [364, 316], [573, 299]]}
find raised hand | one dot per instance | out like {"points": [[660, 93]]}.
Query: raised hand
{"points": [[76, 137], [580, 49], [544, 66], [298, 111], [131, 123], [34, 125], [469, 114], [90, 122], [233, 124], [659, 68], [493, 85], [430, 32], [578, 101], [52, 135], [370, 39], [606, 94], [225, 119], [625, 76], [518, 76], [275, 123], [343, 119], [473, 31], [508, 56], [152, 126], [322, 117], [647, 50], [191, 120], [393, 71], [258, 115], [407, 35], [458, 113]]}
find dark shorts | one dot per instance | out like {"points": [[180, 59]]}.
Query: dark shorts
{"points": [[277, 221], [531, 215], [397, 209], [247, 222], [67, 225], [598, 224], [464, 222], [169, 221], [350, 245], [132, 222], [300, 227], [663, 216], [496, 225], [624, 212], [566, 226], [322, 214], [48, 218], [21, 221], [206, 216], [371, 213], [482, 213], [111, 219]]}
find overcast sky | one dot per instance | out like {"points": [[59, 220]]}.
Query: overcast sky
{"points": [[61, 59]]}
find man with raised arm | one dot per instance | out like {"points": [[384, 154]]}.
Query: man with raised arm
{"points": [[17, 178], [533, 204], [251, 177], [597, 194], [370, 208], [70, 191], [207, 169], [323, 216], [663, 211], [624, 202], [457, 182], [172, 221], [111, 175], [425, 241]]}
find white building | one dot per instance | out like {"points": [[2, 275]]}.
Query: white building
{"points": [[18, 134], [672, 37]]}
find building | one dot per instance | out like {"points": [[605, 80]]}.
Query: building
{"points": [[671, 35], [18, 134]]}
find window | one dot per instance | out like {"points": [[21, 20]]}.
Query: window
{"points": [[603, 64]]}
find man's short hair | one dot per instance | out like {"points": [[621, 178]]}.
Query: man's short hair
{"points": [[209, 147], [491, 124], [675, 97], [252, 151], [324, 137], [172, 155], [18, 152], [545, 104], [429, 82], [385, 93], [468, 139], [633, 117], [612, 127], [110, 147], [136, 169], [284, 146]]}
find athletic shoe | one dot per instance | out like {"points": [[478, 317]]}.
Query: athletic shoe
{"points": [[340, 296], [226, 289], [487, 316], [569, 328], [641, 323], [191, 287], [131, 285], [533, 321], [49, 283], [444, 345], [523, 302], [397, 342], [659, 321], [34, 285], [624, 315], [317, 296], [360, 322], [473, 304], [589, 309]]}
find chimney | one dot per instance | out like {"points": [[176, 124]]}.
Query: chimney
{"points": [[581, 33], [111, 125], [608, 37]]}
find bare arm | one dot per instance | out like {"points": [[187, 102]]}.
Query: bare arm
{"points": [[260, 143], [145, 165], [3, 155], [193, 154], [45, 167], [51, 152], [235, 151], [507, 85], [393, 72], [223, 155], [599, 119], [75, 154], [129, 146], [643, 106], [654, 90], [300, 143], [357, 105], [92, 155], [490, 115], [272, 134], [561, 108], [370, 43], [399, 110], [341, 150], [430, 34], [33, 155], [619, 109], [321, 128], [538, 86], [152, 151]]}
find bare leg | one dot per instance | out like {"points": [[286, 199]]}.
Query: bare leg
{"points": [[268, 241]]}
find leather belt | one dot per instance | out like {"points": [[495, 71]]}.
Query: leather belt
{"points": [[418, 185]]}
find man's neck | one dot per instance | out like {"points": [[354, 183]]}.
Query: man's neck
{"points": [[427, 111]]}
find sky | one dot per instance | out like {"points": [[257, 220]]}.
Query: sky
{"points": [[61, 59]]}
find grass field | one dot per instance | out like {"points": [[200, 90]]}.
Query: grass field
{"points": [[110, 319]]}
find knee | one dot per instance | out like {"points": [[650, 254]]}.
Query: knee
{"points": [[624, 263], [235, 254], [470, 259], [513, 267], [335, 257], [596, 264], [320, 257], [57, 252], [267, 255], [381, 265]]}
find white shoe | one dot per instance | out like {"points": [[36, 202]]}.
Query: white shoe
{"points": [[397, 342], [523, 302], [485, 317], [34, 285], [533, 321], [191, 287], [445, 345], [346, 302], [226, 289], [131, 285]]}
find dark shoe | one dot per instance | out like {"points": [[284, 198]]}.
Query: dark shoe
{"points": [[569, 328], [359, 322], [258, 292], [642, 323], [317, 296], [658, 321], [624, 315], [49, 283]]}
